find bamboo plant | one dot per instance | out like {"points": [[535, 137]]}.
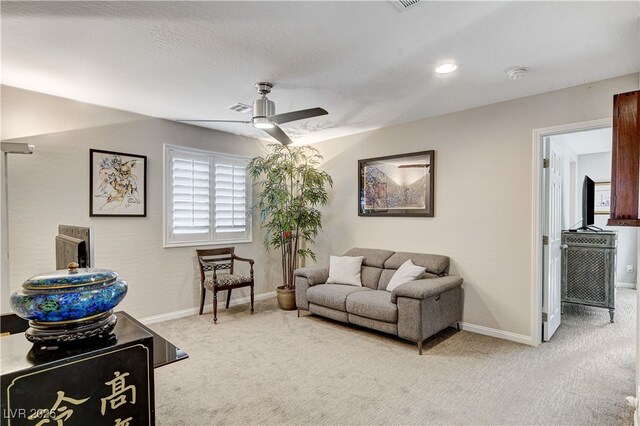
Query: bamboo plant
{"points": [[292, 187]]}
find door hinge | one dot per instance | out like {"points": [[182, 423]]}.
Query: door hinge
{"points": [[545, 163], [545, 240], [544, 317]]}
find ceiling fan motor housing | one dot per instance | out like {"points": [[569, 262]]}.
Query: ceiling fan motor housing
{"points": [[263, 107]]}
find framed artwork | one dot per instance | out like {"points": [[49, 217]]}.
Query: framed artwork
{"points": [[396, 185], [602, 196], [117, 184]]}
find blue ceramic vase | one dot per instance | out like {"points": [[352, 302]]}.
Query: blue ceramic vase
{"points": [[69, 305]]}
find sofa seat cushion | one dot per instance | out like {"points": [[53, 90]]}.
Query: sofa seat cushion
{"points": [[333, 295], [375, 304]]}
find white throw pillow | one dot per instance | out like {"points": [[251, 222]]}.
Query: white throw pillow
{"points": [[405, 273], [345, 270]]}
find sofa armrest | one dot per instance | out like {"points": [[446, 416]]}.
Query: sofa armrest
{"points": [[313, 274], [422, 289]]}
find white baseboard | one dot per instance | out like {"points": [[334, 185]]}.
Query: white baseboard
{"points": [[207, 309], [479, 329], [500, 334], [625, 285]]}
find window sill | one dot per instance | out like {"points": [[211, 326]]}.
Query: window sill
{"points": [[206, 243]]}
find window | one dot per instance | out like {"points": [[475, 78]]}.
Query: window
{"points": [[207, 195]]}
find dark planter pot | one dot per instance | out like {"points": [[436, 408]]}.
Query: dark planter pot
{"points": [[286, 298]]}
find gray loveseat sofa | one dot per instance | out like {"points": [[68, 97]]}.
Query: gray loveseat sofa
{"points": [[414, 311]]}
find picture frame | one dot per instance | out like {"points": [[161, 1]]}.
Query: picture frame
{"points": [[117, 184], [397, 185], [602, 197]]}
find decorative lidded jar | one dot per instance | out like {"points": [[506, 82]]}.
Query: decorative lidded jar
{"points": [[69, 305]]}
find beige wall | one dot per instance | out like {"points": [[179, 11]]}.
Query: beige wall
{"points": [[51, 187], [483, 190]]}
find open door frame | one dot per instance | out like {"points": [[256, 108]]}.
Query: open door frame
{"points": [[537, 222]]}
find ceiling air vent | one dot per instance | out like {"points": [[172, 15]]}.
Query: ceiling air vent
{"points": [[239, 107], [404, 4]]}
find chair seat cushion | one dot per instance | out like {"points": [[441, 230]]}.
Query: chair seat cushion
{"points": [[375, 304], [333, 295], [225, 280]]}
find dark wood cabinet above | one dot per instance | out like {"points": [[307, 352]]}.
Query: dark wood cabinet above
{"points": [[625, 160]]}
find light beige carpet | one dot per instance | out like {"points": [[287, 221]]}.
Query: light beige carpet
{"points": [[274, 368]]}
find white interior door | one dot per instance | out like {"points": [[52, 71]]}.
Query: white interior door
{"points": [[551, 305]]}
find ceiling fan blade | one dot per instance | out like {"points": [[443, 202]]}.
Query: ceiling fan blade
{"points": [[214, 121], [298, 115], [277, 133]]}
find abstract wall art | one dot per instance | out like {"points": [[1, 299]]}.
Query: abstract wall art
{"points": [[602, 197], [118, 184], [396, 185]]}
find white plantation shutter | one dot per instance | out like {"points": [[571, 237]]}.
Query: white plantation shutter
{"points": [[206, 198], [191, 196], [230, 199]]}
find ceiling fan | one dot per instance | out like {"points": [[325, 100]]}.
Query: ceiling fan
{"points": [[264, 115]]}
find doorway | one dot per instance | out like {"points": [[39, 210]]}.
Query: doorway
{"points": [[570, 153]]}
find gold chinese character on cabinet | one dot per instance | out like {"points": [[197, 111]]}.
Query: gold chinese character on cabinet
{"points": [[119, 393], [58, 413]]}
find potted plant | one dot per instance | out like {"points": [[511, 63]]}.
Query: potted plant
{"points": [[292, 189]]}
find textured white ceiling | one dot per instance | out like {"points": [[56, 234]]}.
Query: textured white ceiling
{"points": [[368, 64]]}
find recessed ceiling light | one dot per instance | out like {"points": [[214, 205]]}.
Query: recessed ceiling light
{"points": [[446, 68]]}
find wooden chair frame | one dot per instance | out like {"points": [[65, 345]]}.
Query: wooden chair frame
{"points": [[213, 260]]}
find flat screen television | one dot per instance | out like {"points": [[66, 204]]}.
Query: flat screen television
{"points": [[588, 202], [74, 244]]}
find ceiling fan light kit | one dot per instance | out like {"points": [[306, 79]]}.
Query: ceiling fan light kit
{"points": [[262, 123], [264, 115]]}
